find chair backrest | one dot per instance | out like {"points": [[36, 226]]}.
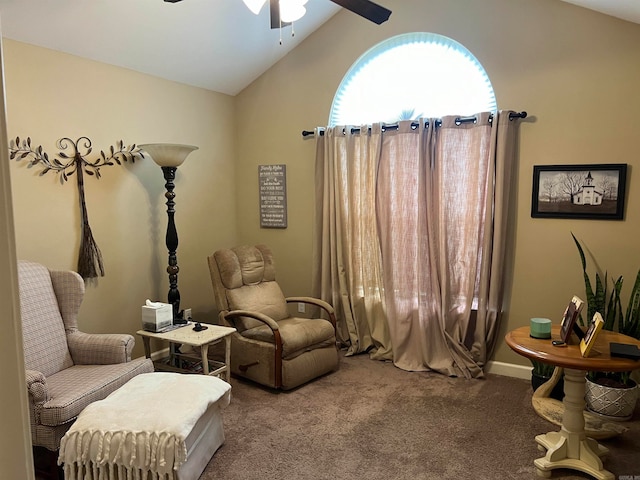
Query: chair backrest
{"points": [[244, 278], [43, 332]]}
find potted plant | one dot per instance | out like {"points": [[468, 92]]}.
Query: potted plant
{"points": [[541, 374], [613, 394]]}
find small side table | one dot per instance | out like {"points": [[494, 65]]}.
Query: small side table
{"points": [[570, 447], [188, 336]]}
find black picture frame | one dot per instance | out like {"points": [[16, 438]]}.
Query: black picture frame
{"points": [[568, 324], [583, 191]]}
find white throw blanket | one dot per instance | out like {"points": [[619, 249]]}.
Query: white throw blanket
{"points": [[139, 428]]}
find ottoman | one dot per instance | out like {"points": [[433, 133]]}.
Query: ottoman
{"points": [[158, 426]]}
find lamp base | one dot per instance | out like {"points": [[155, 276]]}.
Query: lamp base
{"points": [[179, 319]]}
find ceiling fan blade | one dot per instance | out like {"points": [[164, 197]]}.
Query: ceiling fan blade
{"points": [[365, 8], [274, 10], [369, 10]]}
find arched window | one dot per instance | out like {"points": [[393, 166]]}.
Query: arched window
{"points": [[411, 76]]}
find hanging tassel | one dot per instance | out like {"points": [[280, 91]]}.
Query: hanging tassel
{"points": [[89, 255]]}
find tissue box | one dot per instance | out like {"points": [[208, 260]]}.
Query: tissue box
{"points": [[155, 319]]}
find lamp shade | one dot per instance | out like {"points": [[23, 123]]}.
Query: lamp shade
{"points": [[168, 154]]}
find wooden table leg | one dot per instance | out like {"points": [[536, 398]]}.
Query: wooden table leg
{"points": [[205, 358], [570, 447], [147, 346], [227, 358]]}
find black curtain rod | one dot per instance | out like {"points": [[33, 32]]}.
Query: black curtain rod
{"points": [[459, 120]]}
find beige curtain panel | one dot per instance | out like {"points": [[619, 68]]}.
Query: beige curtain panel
{"points": [[411, 235]]}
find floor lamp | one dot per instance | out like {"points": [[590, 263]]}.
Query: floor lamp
{"points": [[169, 157]]}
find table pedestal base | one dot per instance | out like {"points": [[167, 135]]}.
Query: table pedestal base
{"points": [[557, 446], [570, 447]]}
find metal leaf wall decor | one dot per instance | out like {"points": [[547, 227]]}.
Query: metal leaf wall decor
{"points": [[72, 159]]}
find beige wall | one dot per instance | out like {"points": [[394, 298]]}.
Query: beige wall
{"points": [[52, 95], [575, 71]]}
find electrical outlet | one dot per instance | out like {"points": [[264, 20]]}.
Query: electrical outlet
{"points": [[301, 307], [187, 314]]}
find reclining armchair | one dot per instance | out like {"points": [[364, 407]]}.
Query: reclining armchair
{"points": [[269, 346], [66, 369]]}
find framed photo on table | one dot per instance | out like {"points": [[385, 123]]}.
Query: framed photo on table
{"points": [[571, 314], [587, 342]]}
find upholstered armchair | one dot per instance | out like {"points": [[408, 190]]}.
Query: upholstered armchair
{"points": [[270, 346], [66, 369]]}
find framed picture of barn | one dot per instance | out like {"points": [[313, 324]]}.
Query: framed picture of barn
{"points": [[587, 191]]}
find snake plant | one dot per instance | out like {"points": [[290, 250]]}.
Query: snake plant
{"points": [[609, 304]]}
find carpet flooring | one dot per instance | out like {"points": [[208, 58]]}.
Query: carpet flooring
{"points": [[373, 421]]}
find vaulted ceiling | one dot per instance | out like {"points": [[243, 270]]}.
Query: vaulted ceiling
{"points": [[214, 44]]}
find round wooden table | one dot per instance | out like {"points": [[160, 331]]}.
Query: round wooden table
{"points": [[570, 447]]}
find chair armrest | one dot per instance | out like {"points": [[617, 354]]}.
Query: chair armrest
{"points": [[271, 323], [100, 348], [229, 316], [37, 386], [318, 303]]}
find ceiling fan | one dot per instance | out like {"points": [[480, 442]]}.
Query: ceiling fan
{"points": [[365, 8]]}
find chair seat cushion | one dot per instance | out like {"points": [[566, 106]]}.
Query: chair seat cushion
{"points": [[73, 388], [298, 335]]}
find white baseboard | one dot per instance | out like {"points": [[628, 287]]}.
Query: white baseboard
{"points": [[493, 367], [508, 370], [160, 354]]}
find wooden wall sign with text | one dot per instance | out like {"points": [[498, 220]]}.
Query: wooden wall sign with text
{"points": [[272, 180]]}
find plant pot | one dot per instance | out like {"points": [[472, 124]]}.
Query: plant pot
{"points": [[610, 402], [558, 389]]}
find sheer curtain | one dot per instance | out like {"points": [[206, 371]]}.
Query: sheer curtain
{"points": [[409, 244], [347, 256]]}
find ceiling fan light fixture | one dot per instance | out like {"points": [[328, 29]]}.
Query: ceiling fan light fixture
{"points": [[255, 5], [292, 10]]}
